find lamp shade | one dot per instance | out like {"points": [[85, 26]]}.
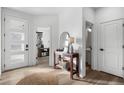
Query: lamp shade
{"points": [[71, 40]]}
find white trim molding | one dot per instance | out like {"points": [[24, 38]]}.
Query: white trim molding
{"points": [[0, 42]]}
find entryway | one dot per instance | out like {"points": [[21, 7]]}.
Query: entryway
{"points": [[15, 42], [89, 30], [43, 45]]}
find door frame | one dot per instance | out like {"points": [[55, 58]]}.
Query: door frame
{"points": [[0, 39], [123, 49], [50, 50], [95, 44], [92, 43], [92, 61], [3, 38]]}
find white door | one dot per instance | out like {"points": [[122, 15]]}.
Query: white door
{"points": [[16, 43], [111, 50]]}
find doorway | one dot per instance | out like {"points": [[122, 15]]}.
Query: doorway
{"points": [[15, 43], [88, 57], [107, 40], [43, 45]]}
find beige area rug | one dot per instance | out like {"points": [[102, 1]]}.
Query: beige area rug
{"points": [[39, 79], [62, 77], [57, 77], [51, 77]]}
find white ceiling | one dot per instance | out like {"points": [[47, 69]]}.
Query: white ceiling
{"points": [[42, 10], [38, 10]]}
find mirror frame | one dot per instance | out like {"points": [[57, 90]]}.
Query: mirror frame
{"points": [[61, 38]]}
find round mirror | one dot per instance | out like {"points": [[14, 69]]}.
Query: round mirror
{"points": [[64, 40]]}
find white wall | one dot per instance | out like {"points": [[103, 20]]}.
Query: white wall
{"points": [[90, 14], [109, 13], [6, 11], [52, 22], [70, 20], [0, 41]]}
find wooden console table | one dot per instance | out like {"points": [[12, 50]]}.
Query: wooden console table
{"points": [[71, 56]]}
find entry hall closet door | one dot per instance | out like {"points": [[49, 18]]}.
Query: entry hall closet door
{"points": [[111, 47], [16, 42]]}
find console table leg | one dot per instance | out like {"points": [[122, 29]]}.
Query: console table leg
{"points": [[71, 67], [77, 66]]}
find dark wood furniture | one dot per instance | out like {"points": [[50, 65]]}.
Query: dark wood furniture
{"points": [[43, 52], [72, 70], [71, 57]]}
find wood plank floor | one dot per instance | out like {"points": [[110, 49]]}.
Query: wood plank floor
{"points": [[92, 77], [102, 78]]}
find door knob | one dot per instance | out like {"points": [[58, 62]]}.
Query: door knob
{"points": [[101, 49], [26, 45], [26, 49]]}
